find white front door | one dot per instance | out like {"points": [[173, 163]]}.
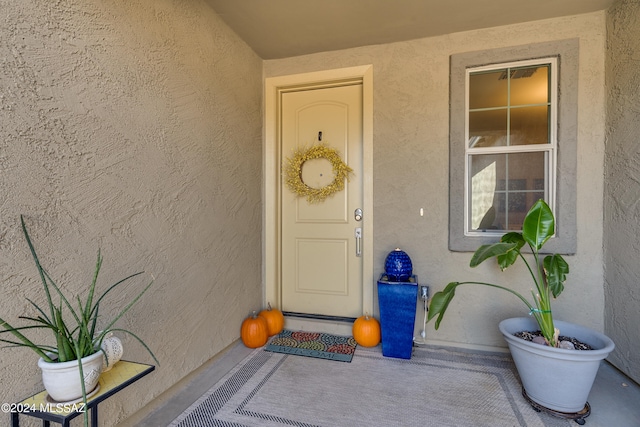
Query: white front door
{"points": [[321, 262]]}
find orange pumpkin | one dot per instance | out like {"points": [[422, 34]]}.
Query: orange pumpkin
{"points": [[366, 331], [254, 331], [275, 319]]}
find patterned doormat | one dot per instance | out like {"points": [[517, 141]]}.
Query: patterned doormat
{"points": [[436, 387], [313, 344]]}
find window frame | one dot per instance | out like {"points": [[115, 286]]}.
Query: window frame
{"points": [[550, 148], [567, 53]]}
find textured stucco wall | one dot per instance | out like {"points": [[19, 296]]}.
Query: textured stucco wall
{"points": [[622, 191], [411, 158], [133, 126]]}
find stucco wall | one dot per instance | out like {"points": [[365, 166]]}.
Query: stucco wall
{"points": [[135, 127], [411, 149], [622, 191]]}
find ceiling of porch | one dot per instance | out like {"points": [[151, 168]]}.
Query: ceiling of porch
{"points": [[284, 28]]}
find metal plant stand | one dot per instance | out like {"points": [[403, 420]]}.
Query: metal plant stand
{"points": [[40, 405]]}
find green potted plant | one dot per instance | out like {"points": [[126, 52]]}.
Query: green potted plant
{"points": [[77, 352], [563, 388]]}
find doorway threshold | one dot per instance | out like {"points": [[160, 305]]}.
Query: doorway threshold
{"points": [[319, 317]]}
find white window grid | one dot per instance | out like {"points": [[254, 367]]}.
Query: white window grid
{"points": [[549, 149]]}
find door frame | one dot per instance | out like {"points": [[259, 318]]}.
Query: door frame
{"points": [[272, 162]]}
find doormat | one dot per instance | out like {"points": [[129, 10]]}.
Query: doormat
{"points": [[313, 344], [436, 387]]}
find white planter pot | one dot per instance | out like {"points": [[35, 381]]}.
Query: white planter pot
{"points": [[112, 352], [555, 378], [62, 380]]}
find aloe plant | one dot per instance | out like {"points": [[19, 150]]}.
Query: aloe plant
{"points": [[548, 274], [75, 329]]}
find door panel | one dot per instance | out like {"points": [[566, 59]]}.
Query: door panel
{"points": [[313, 277], [321, 273]]}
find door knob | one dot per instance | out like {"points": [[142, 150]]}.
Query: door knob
{"points": [[358, 241]]}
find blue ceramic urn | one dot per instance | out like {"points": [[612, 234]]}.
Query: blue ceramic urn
{"points": [[398, 266]]}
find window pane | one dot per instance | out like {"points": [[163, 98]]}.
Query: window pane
{"points": [[503, 187], [487, 90], [488, 128], [529, 85], [482, 192], [529, 125]]}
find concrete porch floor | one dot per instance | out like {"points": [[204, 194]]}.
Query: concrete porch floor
{"points": [[614, 398]]}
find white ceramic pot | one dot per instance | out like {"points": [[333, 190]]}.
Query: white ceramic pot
{"points": [[112, 348], [62, 380], [555, 378]]}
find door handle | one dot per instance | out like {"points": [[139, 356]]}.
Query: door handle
{"points": [[358, 241]]}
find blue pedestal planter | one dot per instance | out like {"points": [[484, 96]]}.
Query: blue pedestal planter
{"points": [[397, 301]]}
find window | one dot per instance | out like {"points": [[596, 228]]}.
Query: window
{"points": [[513, 140], [511, 143]]}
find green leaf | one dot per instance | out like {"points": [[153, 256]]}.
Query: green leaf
{"points": [[89, 305], [94, 311], [485, 252], [139, 340], [538, 225], [64, 350], [440, 301], [38, 323], [513, 237], [46, 318], [38, 266], [127, 307], [507, 259], [556, 269], [25, 342]]}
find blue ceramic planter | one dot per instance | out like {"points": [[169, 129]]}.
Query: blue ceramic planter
{"points": [[397, 301]]}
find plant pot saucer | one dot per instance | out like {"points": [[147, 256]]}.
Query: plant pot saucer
{"points": [[78, 400], [578, 417]]}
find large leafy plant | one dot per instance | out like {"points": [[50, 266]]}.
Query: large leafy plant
{"points": [[548, 274]]}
